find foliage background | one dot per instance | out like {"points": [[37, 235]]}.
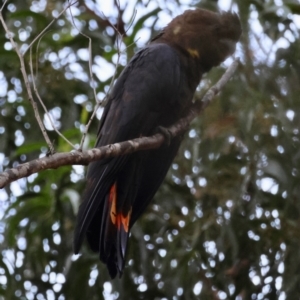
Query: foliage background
{"points": [[225, 223]]}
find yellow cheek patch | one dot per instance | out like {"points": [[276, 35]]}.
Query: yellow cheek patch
{"points": [[117, 218], [177, 29], [193, 52]]}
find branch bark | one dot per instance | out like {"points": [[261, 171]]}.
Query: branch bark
{"points": [[145, 143]]}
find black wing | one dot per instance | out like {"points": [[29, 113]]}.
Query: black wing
{"points": [[146, 95]]}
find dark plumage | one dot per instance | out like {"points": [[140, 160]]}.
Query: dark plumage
{"points": [[155, 89]]}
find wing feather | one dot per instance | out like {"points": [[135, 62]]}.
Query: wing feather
{"points": [[145, 96]]}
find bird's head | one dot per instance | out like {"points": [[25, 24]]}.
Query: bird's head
{"points": [[206, 36]]}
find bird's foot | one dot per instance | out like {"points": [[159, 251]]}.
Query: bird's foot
{"points": [[166, 133]]}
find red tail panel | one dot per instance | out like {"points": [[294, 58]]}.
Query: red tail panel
{"points": [[113, 203], [117, 218], [117, 232]]}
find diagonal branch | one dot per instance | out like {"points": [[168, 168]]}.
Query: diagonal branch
{"points": [[145, 143]]}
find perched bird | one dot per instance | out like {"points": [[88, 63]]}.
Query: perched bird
{"points": [[155, 89]]}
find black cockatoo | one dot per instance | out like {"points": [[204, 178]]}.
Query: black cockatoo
{"points": [[154, 90]]}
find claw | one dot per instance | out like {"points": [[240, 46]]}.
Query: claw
{"points": [[166, 133]]}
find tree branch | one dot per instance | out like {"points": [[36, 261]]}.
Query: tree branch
{"points": [[145, 143]]}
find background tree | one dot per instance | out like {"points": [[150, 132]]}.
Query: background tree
{"points": [[225, 223]]}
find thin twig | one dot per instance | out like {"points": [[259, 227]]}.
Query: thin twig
{"points": [[27, 83], [145, 143], [93, 82], [44, 106], [131, 21], [1, 9], [48, 26], [35, 89], [119, 40], [37, 57]]}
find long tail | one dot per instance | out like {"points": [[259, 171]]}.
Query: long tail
{"points": [[114, 233], [105, 221]]}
